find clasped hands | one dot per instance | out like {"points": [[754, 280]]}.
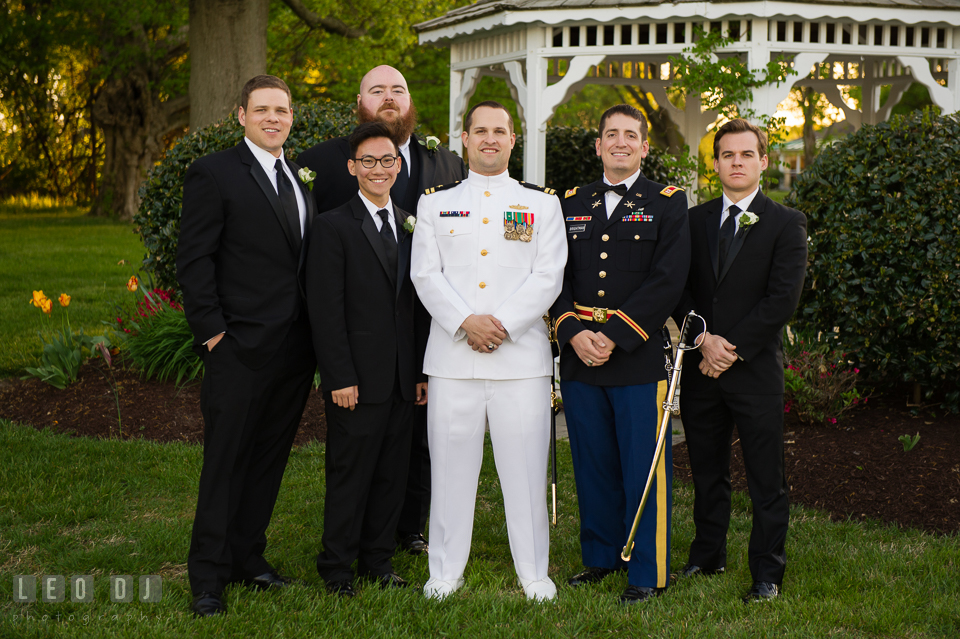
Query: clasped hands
{"points": [[485, 333], [718, 355], [593, 349]]}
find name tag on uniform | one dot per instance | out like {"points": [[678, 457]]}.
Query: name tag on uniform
{"points": [[454, 213], [517, 226], [637, 217], [580, 218], [576, 228]]}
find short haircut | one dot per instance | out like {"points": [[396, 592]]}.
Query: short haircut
{"points": [[493, 104], [740, 126], [630, 112], [263, 82], [368, 131]]}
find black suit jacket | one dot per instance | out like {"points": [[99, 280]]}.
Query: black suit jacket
{"points": [[368, 327], [638, 267], [335, 186], [752, 299], [236, 262]]}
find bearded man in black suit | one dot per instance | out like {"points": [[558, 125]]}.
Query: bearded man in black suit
{"points": [[749, 256], [384, 97], [369, 348], [243, 233]]}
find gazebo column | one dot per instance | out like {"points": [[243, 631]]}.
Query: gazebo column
{"points": [[463, 84]]}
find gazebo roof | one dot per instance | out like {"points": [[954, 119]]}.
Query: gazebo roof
{"points": [[766, 8]]}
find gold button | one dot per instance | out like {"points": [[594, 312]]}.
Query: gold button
{"points": [[574, 236], [483, 252], [451, 230], [603, 256], [486, 220], [605, 237], [483, 285], [600, 293], [636, 237], [603, 273], [486, 193]]}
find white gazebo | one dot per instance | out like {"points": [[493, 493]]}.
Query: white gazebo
{"points": [[547, 50]]}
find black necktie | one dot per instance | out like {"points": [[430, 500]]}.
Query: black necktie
{"points": [[389, 242], [288, 200], [619, 189], [727, 231], [399, 191]]}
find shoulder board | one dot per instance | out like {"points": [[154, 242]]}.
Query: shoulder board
{"points": [[571, 192], [670, 190], [442, 187], [537, 187]]}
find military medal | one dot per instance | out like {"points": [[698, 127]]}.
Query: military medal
{"points": [[596, 204], [629, 205], [454, 213], [517, 226]]}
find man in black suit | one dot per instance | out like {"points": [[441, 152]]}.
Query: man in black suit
{"points": [[362, 307], [384, 98], [239, 264], [749, 255]]}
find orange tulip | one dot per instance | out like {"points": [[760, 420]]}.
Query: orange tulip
{"points": [[64, 300], [38, 298], [47, 306], [132, 284]]}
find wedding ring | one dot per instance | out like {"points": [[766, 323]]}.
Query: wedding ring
{"points": [[490, 346], [589, 362]]}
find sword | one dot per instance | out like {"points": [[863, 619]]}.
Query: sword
{"points": [[670, 406], [554, 410]]}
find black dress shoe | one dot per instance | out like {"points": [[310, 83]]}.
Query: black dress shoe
{"points": [[208, 604], [414, 545], [342, 588], [638, 594], [591, 576], [269, 581], [762, 591], [390, 580], [692, 570]]}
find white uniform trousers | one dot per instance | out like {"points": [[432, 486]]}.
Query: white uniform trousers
{"points": [[518, 411]]}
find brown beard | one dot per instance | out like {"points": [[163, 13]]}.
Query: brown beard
{"points": [[400, 128]]}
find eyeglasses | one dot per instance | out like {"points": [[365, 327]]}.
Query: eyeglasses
{"points": [[369, 162]]}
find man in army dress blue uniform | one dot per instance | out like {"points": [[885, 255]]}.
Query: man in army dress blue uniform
{"points": [[629, 252]]}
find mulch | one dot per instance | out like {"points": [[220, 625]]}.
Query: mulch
{"points": [[856, 470]]}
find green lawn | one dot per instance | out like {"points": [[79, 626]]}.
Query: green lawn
{"points": [[59, 250], [64, 511]]}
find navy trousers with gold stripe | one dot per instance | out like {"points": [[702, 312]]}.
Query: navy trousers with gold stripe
{"points": [[613, 434]]}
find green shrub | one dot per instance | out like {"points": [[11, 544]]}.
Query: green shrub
{"points": [[820, 384], [161, 347], [158, 217], [882, 206], [572, 160]]}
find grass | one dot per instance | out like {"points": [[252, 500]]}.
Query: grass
{"points": [[58, 250], [65, 512]]}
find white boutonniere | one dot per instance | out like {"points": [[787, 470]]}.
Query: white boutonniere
{"points": [[747, 219], [307, 177], [431, 143], [410, 223]]}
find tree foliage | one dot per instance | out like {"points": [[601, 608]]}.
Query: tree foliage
{"points": [[885, 250]]}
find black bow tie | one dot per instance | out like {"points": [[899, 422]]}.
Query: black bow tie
{"points": [[619, 189]]}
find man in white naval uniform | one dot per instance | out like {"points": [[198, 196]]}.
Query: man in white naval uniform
{"points": [[487, 262]]}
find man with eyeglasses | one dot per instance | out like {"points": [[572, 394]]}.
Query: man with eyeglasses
{"points": [[365, 317], [384, 97]]}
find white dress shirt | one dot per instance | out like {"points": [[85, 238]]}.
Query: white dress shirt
{"points": [[373, 208], [744, 204], [611, 198], [268, 162]]}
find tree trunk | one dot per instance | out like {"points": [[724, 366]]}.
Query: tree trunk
{"points": [[662, 131], [133, 122], [809, 106], [228, 46]]}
